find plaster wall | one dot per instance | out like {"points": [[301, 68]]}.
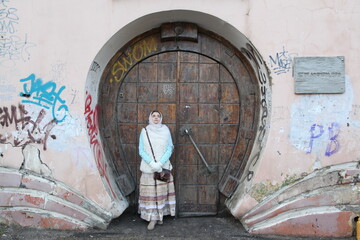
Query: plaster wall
{"points": [[58, 42]]}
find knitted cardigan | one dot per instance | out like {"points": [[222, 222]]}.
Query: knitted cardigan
{"points": [[162, 147]]}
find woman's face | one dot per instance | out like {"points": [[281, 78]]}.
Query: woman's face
{"points": [[155, 117]]}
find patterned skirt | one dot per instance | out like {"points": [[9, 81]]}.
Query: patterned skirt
{"points": [[156, 201]]}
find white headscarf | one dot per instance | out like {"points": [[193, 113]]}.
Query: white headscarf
{"points": [[158, 132], [152, 125]]}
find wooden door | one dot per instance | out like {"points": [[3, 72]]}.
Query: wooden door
{"points": [[199, 82], [193, 92], [208, 104]]}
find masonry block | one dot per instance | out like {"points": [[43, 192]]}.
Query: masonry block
{"points": [[63, 193], [352, 173], [22, 218], [300, 203], [40, 220], [5, 199], [10, 179], [350, 176], [315, 182], [37, 183], [58, 207], [37, 201], [20, 199], [336, 224], [261, 209], [58, 223]]}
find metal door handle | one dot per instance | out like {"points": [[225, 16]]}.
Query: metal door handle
{"points": [[187, 132]]}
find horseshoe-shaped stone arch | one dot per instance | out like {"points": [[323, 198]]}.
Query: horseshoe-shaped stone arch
{"points": [[253, 92]]}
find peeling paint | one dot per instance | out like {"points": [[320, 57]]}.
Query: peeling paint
{"points": [[260, 190], [33, 162], [34, 200], [265, 188]]}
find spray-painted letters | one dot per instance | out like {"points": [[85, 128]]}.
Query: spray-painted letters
{"points": [[282, 61], [91, 117], [45, 95], [132, 56], [317, 131], [27, 130], [2, 3], [95, 67], [333, 146], [12, 46], [257, 62], [8, 20]]}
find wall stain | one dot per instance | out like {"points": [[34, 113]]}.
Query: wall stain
{"points": [[260, 190]]}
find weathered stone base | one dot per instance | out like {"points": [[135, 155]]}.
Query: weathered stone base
{"points": [[324, 203], [28, 199]]}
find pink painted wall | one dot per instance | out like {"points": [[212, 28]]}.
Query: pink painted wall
{"points": [[58, 41]]}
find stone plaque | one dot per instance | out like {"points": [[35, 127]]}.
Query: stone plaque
{"points": [[319, 74]]}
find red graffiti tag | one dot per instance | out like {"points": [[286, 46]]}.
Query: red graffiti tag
{"points": [[91, 117]]}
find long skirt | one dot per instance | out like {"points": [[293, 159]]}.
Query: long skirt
{"points": [[156, 201]]}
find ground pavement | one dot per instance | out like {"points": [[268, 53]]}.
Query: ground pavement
{"points": [[130, 226]]}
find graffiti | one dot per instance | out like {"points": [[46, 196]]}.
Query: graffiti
{"points": [[333, 146], [255, 59], [27, 130], [58, 71], [74, 93], [132, 56], [45, 95], [91, 117], [8, 20], [2, 2], [7, 118], [282, 61], [95, 67], [12, 46], [317, 131]]}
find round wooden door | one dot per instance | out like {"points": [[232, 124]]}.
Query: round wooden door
{"points": [[200, 104], [206, 93]]}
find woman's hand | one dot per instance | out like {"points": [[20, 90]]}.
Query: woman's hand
{"points": [[155, 166]]}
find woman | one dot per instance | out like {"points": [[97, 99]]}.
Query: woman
{"points": [[156, 198]]}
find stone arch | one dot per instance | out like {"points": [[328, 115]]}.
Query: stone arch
{"points": [[114, 183]]}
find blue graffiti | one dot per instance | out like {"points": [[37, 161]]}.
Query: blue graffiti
{"points": [[317, 131], [333, 146], [282, 61], [2, 2], [45, 95], [8, 19]]}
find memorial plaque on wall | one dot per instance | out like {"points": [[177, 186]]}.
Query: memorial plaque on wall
{"points": [[319, 74]]}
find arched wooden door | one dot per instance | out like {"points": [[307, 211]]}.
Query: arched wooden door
{"points": [[195, 92]]}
